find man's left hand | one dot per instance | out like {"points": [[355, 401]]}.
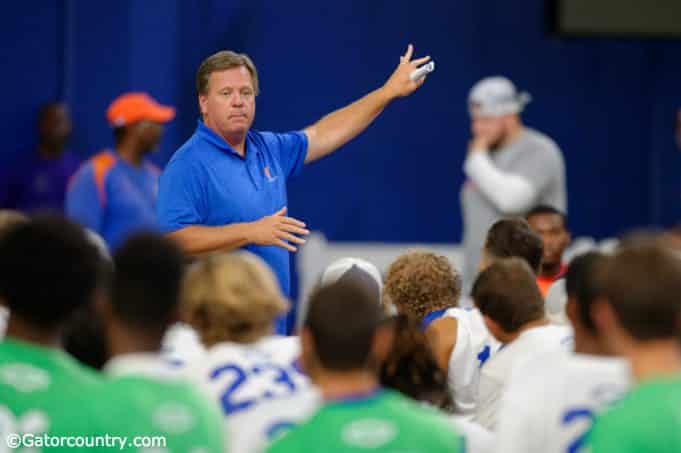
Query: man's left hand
{"points": [[399, 84]]}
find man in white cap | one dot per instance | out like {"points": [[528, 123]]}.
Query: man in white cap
{"points": [[510, 168]]}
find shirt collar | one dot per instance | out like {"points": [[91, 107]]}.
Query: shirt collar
{"points": [[432, 316], [214, 139], [140, 364]]}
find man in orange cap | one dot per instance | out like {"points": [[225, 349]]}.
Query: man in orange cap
{"points": [[114, 193]]}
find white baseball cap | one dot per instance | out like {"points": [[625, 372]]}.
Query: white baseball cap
{"points": [[497, 96], [349, 266]]}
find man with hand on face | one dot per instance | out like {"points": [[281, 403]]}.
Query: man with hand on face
{"points": [[114, 193], [509, 167], [225, 188]]}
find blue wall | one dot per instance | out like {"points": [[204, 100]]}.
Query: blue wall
{"points": [[610, 104]]}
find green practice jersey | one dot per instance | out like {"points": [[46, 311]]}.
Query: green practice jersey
{"points": [[42, 393], [383, 422], [159, 416], [647, 420]]}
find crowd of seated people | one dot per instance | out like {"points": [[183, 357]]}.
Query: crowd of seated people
{"points": [[163, 352]]}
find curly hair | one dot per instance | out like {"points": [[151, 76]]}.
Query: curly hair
{"points": [[420, 282], [411, 368], [233, 297]]}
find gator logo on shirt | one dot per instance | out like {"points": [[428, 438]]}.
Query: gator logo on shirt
{"points": [[174, 418], [268, 175], [369, 433], [24, 378]]}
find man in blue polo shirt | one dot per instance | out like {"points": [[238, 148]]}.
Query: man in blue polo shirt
{"points": [[114, 193], [225, 188]]}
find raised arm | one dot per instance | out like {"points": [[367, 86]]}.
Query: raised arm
{"points": [[339, 127]]}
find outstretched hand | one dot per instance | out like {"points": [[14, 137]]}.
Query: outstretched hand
{"points": [[400, 84]]}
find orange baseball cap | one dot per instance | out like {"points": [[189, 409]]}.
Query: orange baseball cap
{"points": [[129, 108]]}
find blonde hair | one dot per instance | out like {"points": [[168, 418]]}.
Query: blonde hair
{"points": [[10, 218], [231, 297]]}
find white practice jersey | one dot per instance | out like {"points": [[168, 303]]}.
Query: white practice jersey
{"points": [[4, 318], [474, 346], [495, 373], [246, 378], [550, 403], [476, 438], [181, 344], [256, 430]]}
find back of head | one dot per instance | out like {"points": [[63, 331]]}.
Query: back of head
{"points": [[411, 368], [420, 282], [643, 285], [355, 270], [342, 319], [146, 282], [507, 293], [583, 286], [10, 218], [231, 297], [514, 238], [48, 269]]}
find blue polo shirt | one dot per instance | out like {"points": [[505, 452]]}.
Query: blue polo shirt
{"points": [[208, 183], [114, 198]]}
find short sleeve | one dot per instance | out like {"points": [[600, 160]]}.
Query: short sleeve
{"points": [[180, 197], [291, 149], [83, 202], [541, 166]]}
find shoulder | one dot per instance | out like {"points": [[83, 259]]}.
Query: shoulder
{"points": [[541, 144]]}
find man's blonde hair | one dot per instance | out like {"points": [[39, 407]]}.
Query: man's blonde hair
{"points": [[231, 297], [222, 61], [10, 218]]}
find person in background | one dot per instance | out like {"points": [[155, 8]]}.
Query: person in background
{"points": [[47, 270], [411, 369], [231, 300], [344, 341], [639, 315], [508, 298], [551, 224], [571, 387], [509, 167], [37, 180], [114, 193], [143, 393]]}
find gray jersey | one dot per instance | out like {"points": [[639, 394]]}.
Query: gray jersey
{"points": [[533, 156]]}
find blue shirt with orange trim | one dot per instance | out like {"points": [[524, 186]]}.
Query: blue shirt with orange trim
{"points": [[114, 198], [207, 182]]}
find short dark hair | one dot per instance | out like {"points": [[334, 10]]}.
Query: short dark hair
{"points": [[222, 61], [411, 367], [48, 269], [547, 209], [507, 293], [582, 284], [514, 238], [643, 285], [342, 319], [84, 337], [146, 283]]}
